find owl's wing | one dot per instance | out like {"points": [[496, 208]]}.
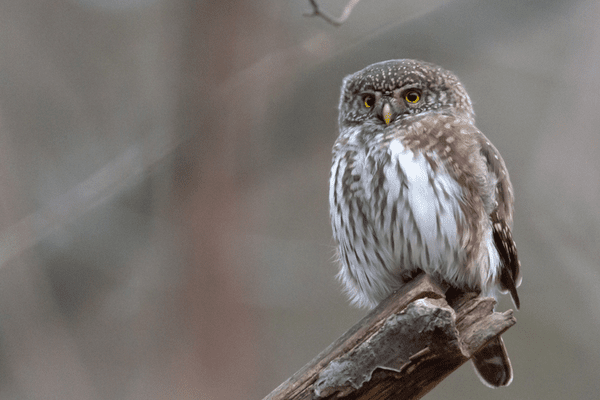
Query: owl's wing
{"points": [[510, 273]]}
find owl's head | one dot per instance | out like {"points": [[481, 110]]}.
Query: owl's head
{"points": [[399, 89]]}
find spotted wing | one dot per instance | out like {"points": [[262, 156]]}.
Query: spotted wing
{"points": [[510, 272]]}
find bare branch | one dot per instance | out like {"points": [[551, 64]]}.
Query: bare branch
{"points": [[316, 12], [408, 344]]}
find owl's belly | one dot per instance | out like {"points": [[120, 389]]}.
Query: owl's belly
{"points": [[402, 215]]}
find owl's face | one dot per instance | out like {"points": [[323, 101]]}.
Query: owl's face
{"points": [[395, 90]]}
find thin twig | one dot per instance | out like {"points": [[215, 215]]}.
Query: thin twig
{"points": [[316, 12]]}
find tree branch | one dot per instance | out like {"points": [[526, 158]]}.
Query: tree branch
{"points": [[408, 344], [316, 12]]}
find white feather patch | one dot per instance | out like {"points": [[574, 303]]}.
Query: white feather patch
{"points": [[416, 226], [429, 195]]}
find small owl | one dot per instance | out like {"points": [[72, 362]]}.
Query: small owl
{"points": [[415, 186]]}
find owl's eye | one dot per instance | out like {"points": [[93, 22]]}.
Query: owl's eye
{"points": [[412, 96], [369, 101]]}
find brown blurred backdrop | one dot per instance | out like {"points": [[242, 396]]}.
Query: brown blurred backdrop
{"points": [[164, 169]]}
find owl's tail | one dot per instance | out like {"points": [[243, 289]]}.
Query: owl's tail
{"points": [[493, 365]]}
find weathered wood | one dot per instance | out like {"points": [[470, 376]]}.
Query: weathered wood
{"points": [[404, 347]]}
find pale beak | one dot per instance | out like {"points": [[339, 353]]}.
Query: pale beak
{"points": [[387, 113]]}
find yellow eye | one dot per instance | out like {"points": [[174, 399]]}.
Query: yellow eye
{"points": [[369, 101], [412, 96]]}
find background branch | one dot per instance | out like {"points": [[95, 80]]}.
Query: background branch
{"points": [[316, 12], [408, 344]]}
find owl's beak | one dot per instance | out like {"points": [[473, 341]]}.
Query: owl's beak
{"points": [[387, 113]]}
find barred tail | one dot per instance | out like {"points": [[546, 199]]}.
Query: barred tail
{"points": [[493, 365]]}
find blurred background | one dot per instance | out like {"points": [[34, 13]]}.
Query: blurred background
{"points": [[164, 169]]}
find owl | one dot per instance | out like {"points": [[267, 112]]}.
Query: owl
{"points": [[415, 186]]}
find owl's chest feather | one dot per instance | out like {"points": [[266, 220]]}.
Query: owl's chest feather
{"points": [[396, 188], [395, 211]]}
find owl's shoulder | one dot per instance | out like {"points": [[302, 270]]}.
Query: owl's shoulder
{"points": [[452, 139]]}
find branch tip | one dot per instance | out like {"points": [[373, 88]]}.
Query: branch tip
{"points": [[316, 12]]}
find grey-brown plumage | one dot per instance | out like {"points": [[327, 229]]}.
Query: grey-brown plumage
{"points": [[416, 186]]}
